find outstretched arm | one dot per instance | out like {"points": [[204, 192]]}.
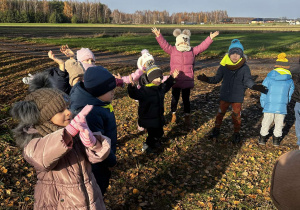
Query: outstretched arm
{"points": [[60, 62], [156, 31], [67, 51], [213, 35]]}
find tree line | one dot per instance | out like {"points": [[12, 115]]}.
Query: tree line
{"points": [[72, 11]]}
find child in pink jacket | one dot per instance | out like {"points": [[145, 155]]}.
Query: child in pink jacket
{"points": [[61, 149], [183, 59]]}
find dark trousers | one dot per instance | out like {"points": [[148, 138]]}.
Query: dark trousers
{"points": [[154, 134], [102, 175], [185, 98], [236, 114]]}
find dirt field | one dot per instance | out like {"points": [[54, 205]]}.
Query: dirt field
{"points": [[134, 169]]}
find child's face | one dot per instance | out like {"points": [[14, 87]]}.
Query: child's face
{"points": [[157, 81], [107, 97], [89, 61], [62, 118], [235, 57]]}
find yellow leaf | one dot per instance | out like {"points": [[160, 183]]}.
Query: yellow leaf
{"points": [[236, 202], [135, 191], [201, 204], [26, 199]]}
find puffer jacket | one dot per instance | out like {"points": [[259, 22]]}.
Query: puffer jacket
{"points": [[183, 61], [65, 179], [280, 89]]}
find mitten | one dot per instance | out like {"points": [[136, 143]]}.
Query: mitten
{"points": [[260, 88], [73, 127], [202, 77], [86, 135]]}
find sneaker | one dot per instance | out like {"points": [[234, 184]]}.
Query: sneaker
{"points": [[147, 149], [215, 133], [276, 141], [262, 140], [236, 138]]}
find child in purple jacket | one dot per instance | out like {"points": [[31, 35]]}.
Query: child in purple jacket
{"points": [[183, 59]]}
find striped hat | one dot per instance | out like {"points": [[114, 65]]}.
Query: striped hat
{"points": [[282, 61], [153, 72]]}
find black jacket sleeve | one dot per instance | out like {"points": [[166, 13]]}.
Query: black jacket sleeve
{"points": [[217, 78]]}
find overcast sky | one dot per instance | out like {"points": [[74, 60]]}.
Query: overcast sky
{"points": [[234, 8]]}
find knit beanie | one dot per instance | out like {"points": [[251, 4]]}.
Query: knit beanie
{"points": [[183, 37], [146, 58], [153, 72], [84, 54], [285, 181], [75, 69], [49, 102], [98, 81], [236, 47], [282, 61]]}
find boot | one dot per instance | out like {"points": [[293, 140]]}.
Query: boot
{"points": [[236, 138], [262, 140], [276, 141], [215, 133], [173, 117], [187, 121]]}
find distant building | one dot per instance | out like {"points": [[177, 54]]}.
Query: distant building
{"points": [[257, 20], [237, 20], [226, 20]]}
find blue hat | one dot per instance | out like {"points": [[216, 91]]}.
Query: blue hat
{"points": [[235, 43], [98, 81]]}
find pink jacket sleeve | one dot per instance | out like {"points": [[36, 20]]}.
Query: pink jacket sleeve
{"points": [[164, 44], [101, 150], [135, 76], [44, 153], [203, 46]]}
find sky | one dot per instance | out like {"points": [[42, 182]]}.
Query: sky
{"points": [[234, 8]]}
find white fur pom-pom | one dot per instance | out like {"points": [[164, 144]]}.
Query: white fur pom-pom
{"points": [[176, 32], [144, 51], [186, 32]]}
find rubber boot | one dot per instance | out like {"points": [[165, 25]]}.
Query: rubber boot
{"points": [[236, 138], [262, 140], [187, 121], [276, 141]]}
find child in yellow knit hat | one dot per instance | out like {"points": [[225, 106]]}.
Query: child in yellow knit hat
{"points": [[280, 89]]}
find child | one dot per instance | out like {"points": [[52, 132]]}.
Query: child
{"points": [[236, 77], [151, 105], [87, 58], [98, 90], [144, 61], [281, 87], [50, 142], [296, 98], [183, 59]]}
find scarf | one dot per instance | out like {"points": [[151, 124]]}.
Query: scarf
{"points": [[183, 48], [108, 106], [230, 65], [47, 128], [150, 85]]}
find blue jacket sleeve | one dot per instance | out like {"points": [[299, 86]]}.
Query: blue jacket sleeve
{"points": [[264, 96], [292, 88]]}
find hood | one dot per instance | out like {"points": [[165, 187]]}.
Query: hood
{"points": [[280, 74], [80, 97], [23, 134]]}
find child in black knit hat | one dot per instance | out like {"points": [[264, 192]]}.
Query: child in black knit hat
{"points": [[151, 105]]}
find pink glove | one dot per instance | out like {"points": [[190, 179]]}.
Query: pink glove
{"points": [[86, 135], [73, 127]]}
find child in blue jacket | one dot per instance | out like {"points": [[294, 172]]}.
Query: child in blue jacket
{"points": [[280, 89]]}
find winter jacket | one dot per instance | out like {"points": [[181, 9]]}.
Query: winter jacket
{"points": [[280, 89], [234, 84], [296, 94], [183, 61], [60, 79], [151, 103], [64, 176], [136, 75], [99, 119]]}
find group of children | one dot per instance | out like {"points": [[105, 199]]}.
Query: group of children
{"points": [[73, 156]]}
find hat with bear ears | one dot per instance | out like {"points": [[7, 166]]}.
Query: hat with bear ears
{"points": [[182, 37], [146, 58]]}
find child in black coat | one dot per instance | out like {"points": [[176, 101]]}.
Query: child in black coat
{"points": [[151, 104]]}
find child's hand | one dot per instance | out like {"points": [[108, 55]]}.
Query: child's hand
{"points": [[155, 31], [73, 127], [213, 35], [175, 73], [86, 135], [117, 76], [202, 77], [67, 51], [60, 62], [131, 80]]}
